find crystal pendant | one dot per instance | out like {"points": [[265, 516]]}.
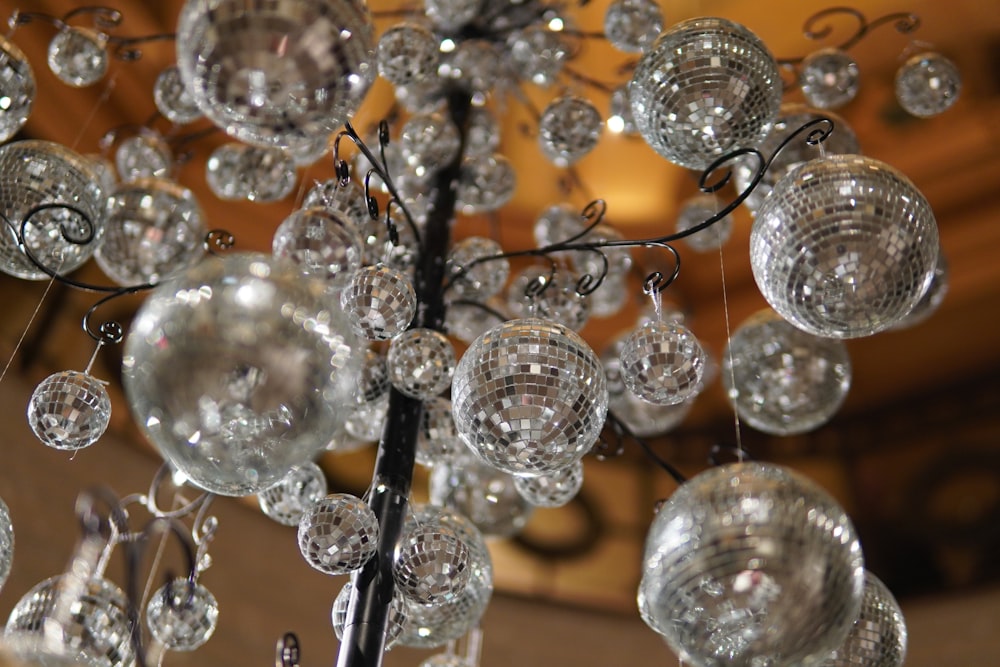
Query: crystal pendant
{"points": [[438, 441], [407, 53], [429, 142], [697, 210], [154, 228], [338, 534], [6, 542], [322, 243], [560, 301], [844, 246], [471, 277], [782, 380], [69, 410], [421, 363], [17, 80], [537, 54], [530, 397], [568, 129], [172, 98], [78, 56], [238, 370], [927, 84], [486, 183], [878, 637], [379, 302], [481, 492], [145, 155], [751, 564], [254, 69], [705, 87], [633, 25], [662, 363], [397, 615], [290, 498], [432, 564], [552, 490], [181, 615], [829, 78]]}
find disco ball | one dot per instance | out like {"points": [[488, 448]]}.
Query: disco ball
{"points": [[751, 564], [78, 56], [17, 81], [407, 53], [238, 370], [421, 363], [480, 280], [182, 616], [559, 301], [697, 210], [145, 155], [69, 410], [552, 490], [569, 129], [537, 54], [397, 615], [6, 542], [829, 78], [878, 636], [290, 498], [322, 242], [172, 98], [437, 440], [633, 25], [487, 496], [529, 397], [662, 363], [429, 142], [927, 84], [338, 534], [379, 302], [705, 87], [432, 564], [486, 183], [844, 246]]}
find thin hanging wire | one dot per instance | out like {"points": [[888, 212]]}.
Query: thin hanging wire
{"points": [[27, 328], [101, 101], [729, 349]]}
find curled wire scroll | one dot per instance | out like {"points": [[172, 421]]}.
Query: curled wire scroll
{"points": [[104, 19], [818, 27]]}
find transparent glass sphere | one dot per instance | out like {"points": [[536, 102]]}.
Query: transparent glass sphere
{"points": [[17, 80], [478, 281], [154, 228], [172, 98], [844, 246], [927, 84], [36, 173], [338, 534], [554, 489], [486, 183], [238, 370], [421, 363], [293, 495], [349, 200], [182, 616], [437, 440], [322, 243], [696, 210], [782, 380], [705, 87], [751, 564], [397, 615], [829, 78], [96, 632], [69, 410], [6, 542], [633, 25], [537, 54], [379, 302], [560, 301], [663, 363], [429, 141], [481, 492], [145, 155], [878, 637], [530, 396], [254, 69], [407, 53], [432, 564], [78, 56], [568, 129]]}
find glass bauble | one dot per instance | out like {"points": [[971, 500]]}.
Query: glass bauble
{"points": [[928, 84], [172, 98], [705, 87], [472, 274], [145, 155], [347, 199], [407, 54], [481, 492], [432, 564], [537, 54], [878, 637], [429, 142], [751, 564], [486, 183], [696, 211], [437, 440], [78, 56], [17, 80], [569, 129], [421, 363], [397, 615], [379, 302], [844, 246], [182, 615], [238, 370], [829, 78], [529, 396], [559, 301], [322, 243], [6, 542], [338, 534], [554, 489], [663, 363], [633, 25], [69, 410], [277, 73], [290, 498]]}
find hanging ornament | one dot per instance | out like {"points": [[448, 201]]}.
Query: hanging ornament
{"points": [[642, 418], [18, 88], [485, 183], [429, 142], [481, 492], [397, 615], [6, 542], [432, 564], [633, 25], [379, 302], [469, 321], [829, 78], [145, 155], [320, 242], [662, 363], [365, 421], [472, 278], [697, 210], [928, 84], [182, 615], [437, 441], [290, 498], [878, 636], [537, 54], [69, 410], [407, 53], [78, 56], [172, 98], [557, 223], [554, 489], [560, 301], [568, 129], [421, 363], [348, 200], [338, 534]]}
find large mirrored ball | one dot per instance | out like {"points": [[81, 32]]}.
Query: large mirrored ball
{"points": [[17, 80], [276, 73], [379, 302], [844, 246], [530, 396], [928, 84], [569, 129], [751, 564], [432, 564], [182, 615], [6, 542], [69, 410], [782, 380], [338, 534], [705, 87], [878, 637], [829, 78], [322, 242], [293, 495], [238, 370]]}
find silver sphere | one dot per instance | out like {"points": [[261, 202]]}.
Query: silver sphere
{"points": [[293, 495], [379, 302], [829, 78], [321, 242], [569, 129], [18, 87], [663, 363], [69, 410], [553, 489], [78, 56], [432, 564], [182, 616], [928, 84], [878, 637], [421, 363], [338, 534]]}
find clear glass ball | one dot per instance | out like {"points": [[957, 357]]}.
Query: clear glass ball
{"points": [[322, 243], [154, 228], [254, 69], [696, 210], [6, 542], [293, 495], [407, 54], [844, 246], [782, 380], [437, 440], [485, 183], [560, 301], [35, 173], [928, 84], [172, 98], [96, 632], [554, 489], [481, 492], [829, 78], [238, 370], [705, 87], [429, 141], [78, 56], [338, 534], [479, 281], [69, 410], [633, 25], [182, 616], [537, 54], [421, 363], [878, 637], [568, 129], [379, 302], [145, 155], [530, 397], [432, 564], [17, 80], [663, 363], [751, 564], [397, 615]]}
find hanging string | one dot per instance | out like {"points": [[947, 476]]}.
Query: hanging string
{"points": [[729, 350], [101, 101], [27, 327]]}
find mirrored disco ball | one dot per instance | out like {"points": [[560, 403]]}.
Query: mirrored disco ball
{"points": [[145, 155], [182, 616], [379, 302], [338, 534], [33, 173], [782, 380], [17, 80], [529, 397], [432, 564], [537, 54], [373, 381], [844, 246], [697, 210], [662, 363], [554, 489], [365, 421], [705, 87], [421, 363], [429, 141], [474, 65], [484, 494], [633, 25], [407, 53], [172, 98], [559, 301], [829, 78], [69, 410], [568, 129], [486, 183], [437, 440], [751, 564], [6, 542], [276, 74], [472, 278], [153, 229], [928, 84], [238, 370], [321, 242], [267, 173], [878, 637], [290, 498], [78, 56], [96, 629]]}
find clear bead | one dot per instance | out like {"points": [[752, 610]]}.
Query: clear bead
{"points": [[878, 637], [552, 490], [182, 616], [145, 155], [486, 183], [172, 98], [338, 534], [697, 210], [17, 80], [829, 78], [633, 25], [290, 498], [6, 542], [429, 142], [537, 54], [569, 129], [407, 54], [662, 363], [320, 242], [397, 615], [432, 564], [69, 410], [421, 363], [471, 280], [379, 302], [437, 440], [927, 84], [78, 56]]}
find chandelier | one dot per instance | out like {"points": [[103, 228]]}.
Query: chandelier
{"points": [[243, 368]]}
